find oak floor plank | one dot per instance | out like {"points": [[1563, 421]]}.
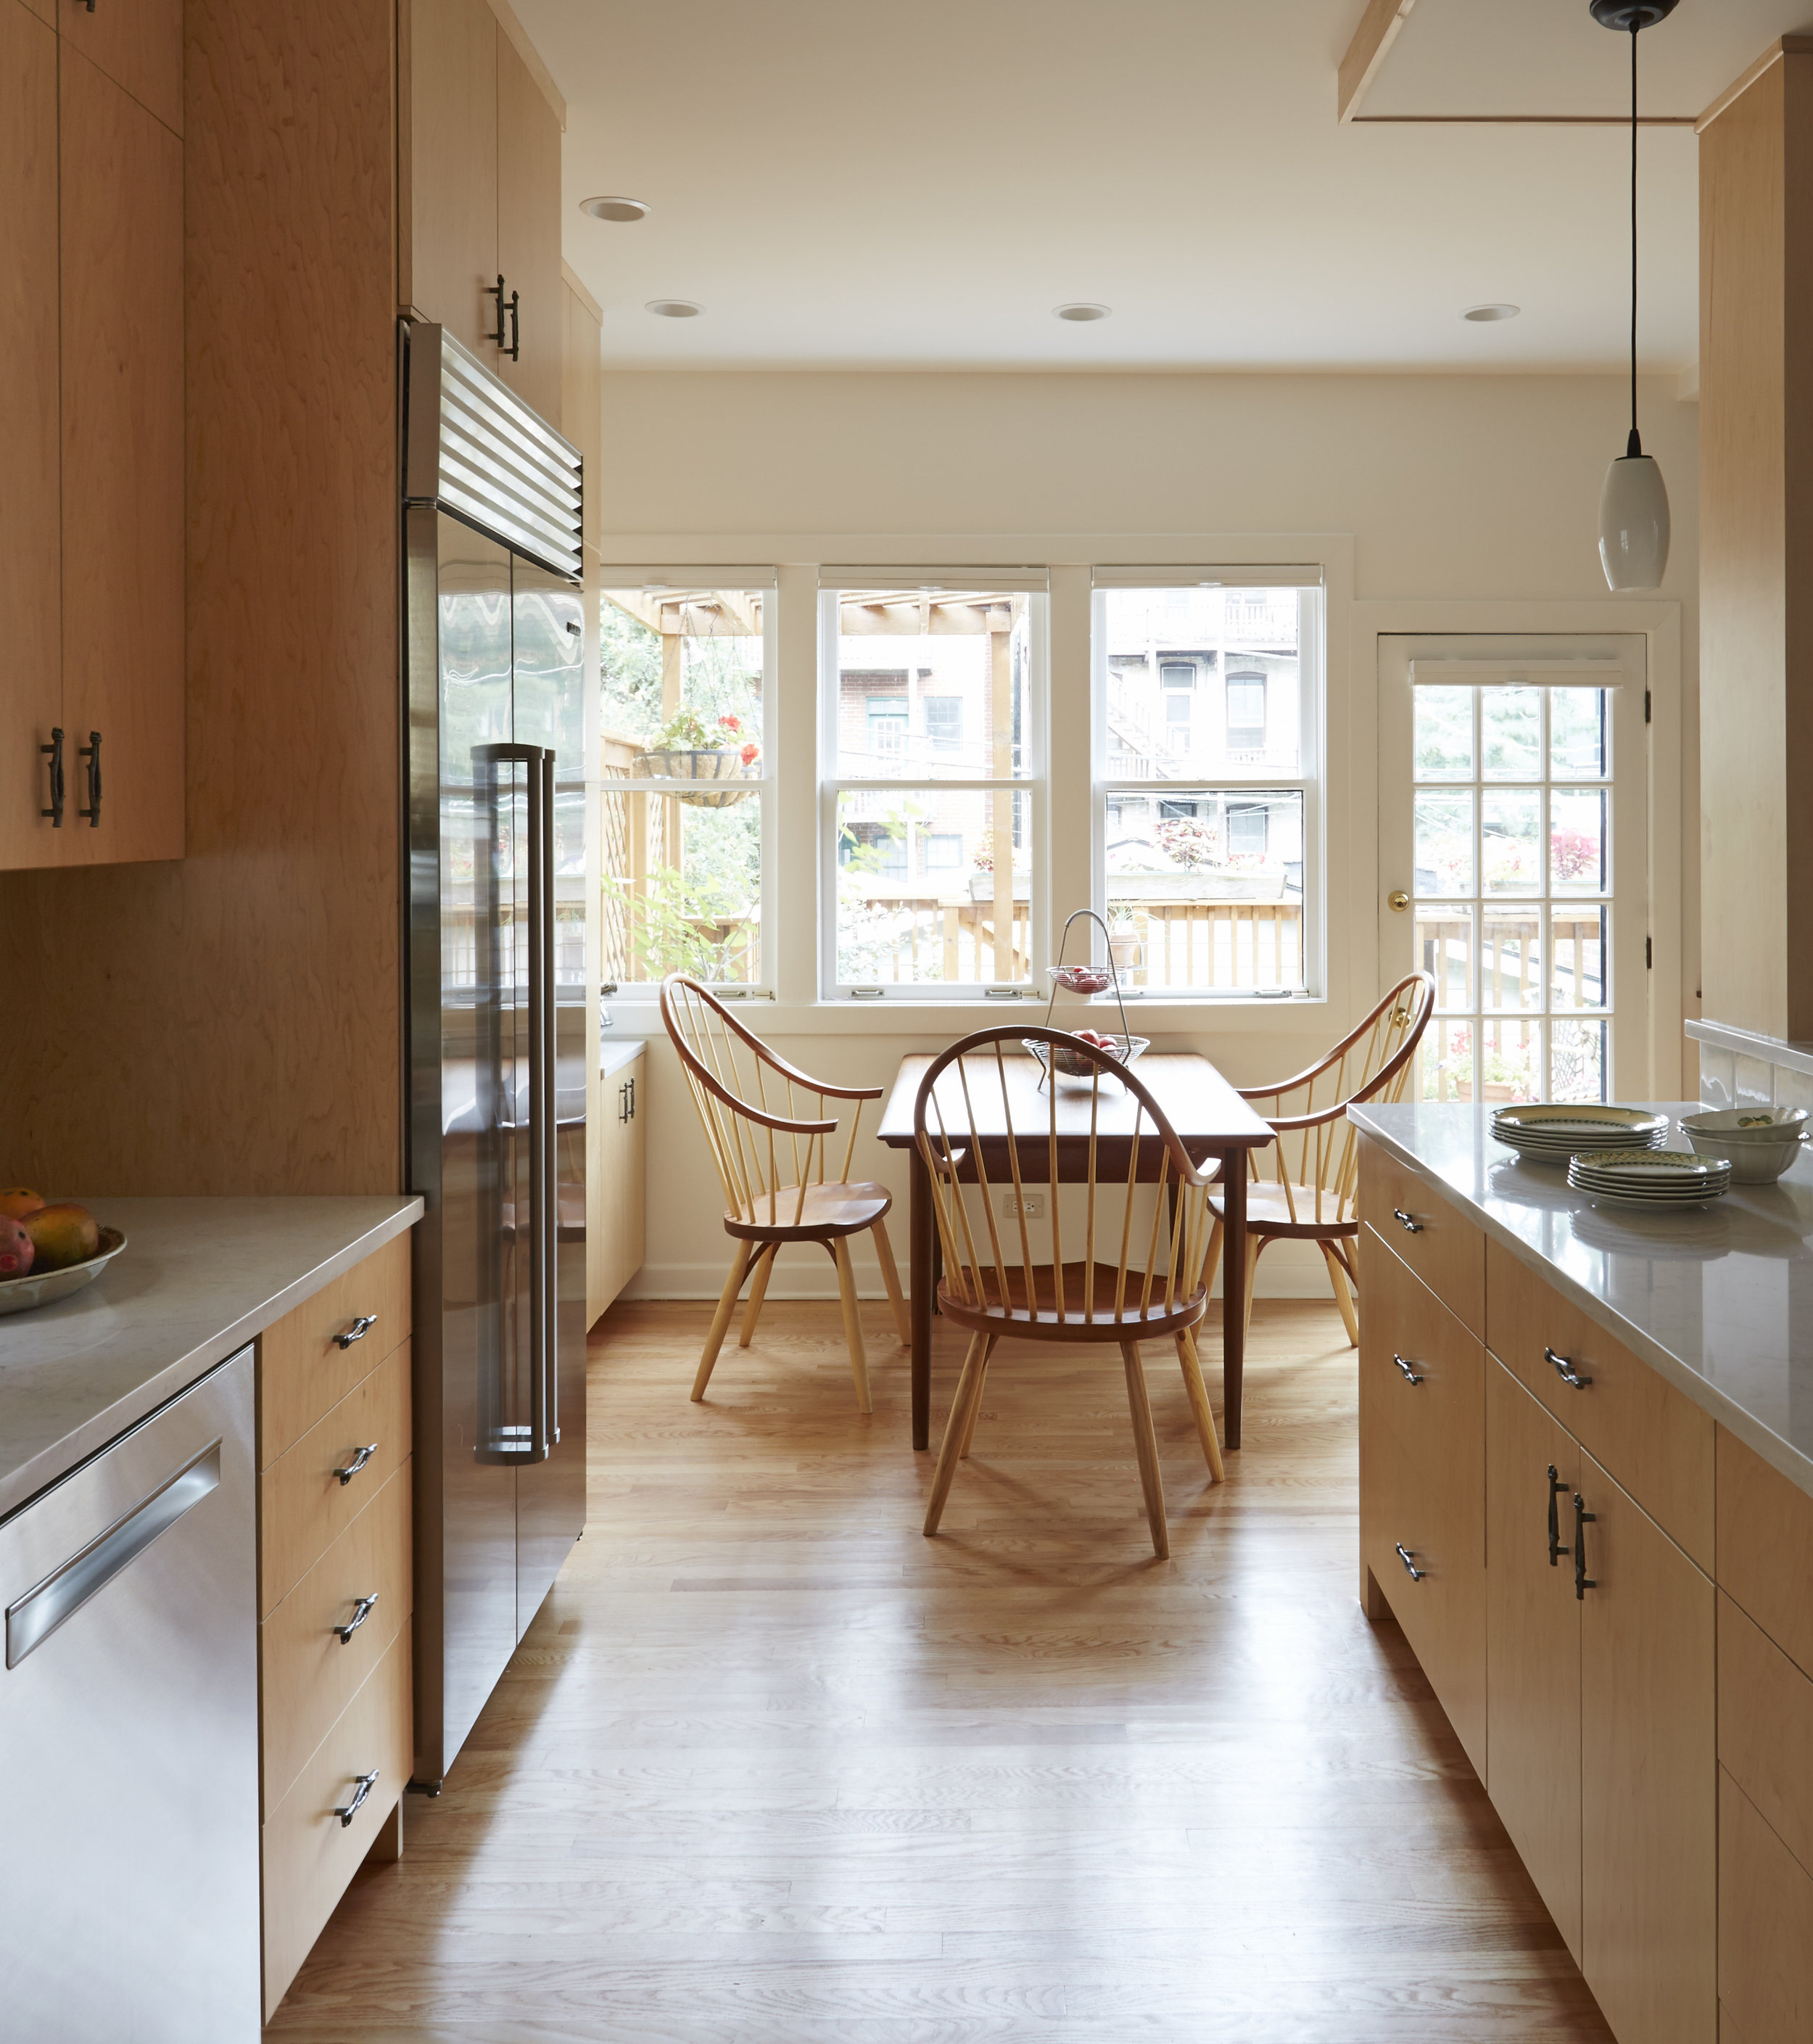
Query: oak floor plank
{"points": [[771, 1767]]}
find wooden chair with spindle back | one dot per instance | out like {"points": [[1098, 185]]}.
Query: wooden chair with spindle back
{"points": [[1109, 1295], [1309, 1189], [726, 1066]]}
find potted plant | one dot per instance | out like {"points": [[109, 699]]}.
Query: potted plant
{"points": [[689, 747], [1123, 943]]}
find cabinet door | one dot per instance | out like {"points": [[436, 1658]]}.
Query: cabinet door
{"points": [[31, 677], [1532, 1643], [121, 245], [138, 45], [451, 163], [633, 1221], [1649, 1779], [528, 232]]}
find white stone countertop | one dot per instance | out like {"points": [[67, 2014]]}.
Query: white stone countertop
{"points": [[615, 1052], [1717, 1299], [198, 1279]]}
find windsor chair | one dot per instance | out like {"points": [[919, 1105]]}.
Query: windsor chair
{"points": [[978, 1124], [726, 1066], [1311, 1192]]}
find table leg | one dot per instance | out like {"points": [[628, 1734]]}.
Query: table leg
{"points": [[919, 1284], [1233, 1293]]}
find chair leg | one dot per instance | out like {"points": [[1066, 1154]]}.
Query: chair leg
{"points": [[1146, 1446], [1254, 1243], [757, 1291], [1212, 1261], [1343, 1297], [956, 1429], [976, 1408], [852, 1323], [891, 1277], [1199, 1407], [720, 1320]]}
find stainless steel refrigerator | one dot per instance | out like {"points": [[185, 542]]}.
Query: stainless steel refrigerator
{"points": [[499, 1021]]}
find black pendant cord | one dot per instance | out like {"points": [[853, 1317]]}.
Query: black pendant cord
{"points": [[1636, 446]]}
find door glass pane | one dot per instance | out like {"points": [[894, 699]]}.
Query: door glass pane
{"points": [[1578, 1061], [933, 684], [1579, 834], [1578, 952], [1511, 1060], [1445, 950], [1445, 1063], [1579, 722], [1511, 965], [1444, 734], [1511, 824], [1444, 844], [1511, 734]]}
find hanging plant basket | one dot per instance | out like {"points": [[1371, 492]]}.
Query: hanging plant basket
{"points": [[694, 767]]}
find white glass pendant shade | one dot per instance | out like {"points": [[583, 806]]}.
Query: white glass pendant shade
{"points": [[1634, 524]]}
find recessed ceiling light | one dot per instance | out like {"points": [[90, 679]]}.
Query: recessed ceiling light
{"points": [[615, 209], [673, 308], [1081, 310], [1488, 313]]}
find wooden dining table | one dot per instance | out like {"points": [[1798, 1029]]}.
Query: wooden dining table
{"points": [[1212, 1121]]}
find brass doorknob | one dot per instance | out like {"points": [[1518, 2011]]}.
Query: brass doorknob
{"points": [[1397, 901]]}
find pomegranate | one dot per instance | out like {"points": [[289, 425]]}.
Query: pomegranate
{"points": [[16, 1250]]}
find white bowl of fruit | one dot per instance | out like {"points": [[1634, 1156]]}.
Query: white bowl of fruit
{"points": [[49, 1248]]}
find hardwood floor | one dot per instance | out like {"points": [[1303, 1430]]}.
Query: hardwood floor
{"points": [[771, 1767]]}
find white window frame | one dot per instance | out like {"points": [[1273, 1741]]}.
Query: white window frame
{"points": [[1034, 783], [1310, 779], [765, 788]]}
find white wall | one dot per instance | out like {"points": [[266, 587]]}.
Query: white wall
{"points": [[1457, 489]]}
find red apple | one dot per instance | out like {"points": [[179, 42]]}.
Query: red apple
{"points": [[16, 1249]]}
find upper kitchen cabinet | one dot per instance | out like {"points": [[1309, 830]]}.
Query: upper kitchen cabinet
{"points": [[31, 694], [482, 168], [138, 44], [121, 293]]}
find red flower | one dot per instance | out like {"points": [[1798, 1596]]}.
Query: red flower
{"points": [[728, 723], [749, 754]]}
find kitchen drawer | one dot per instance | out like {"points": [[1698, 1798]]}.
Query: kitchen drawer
{"points": [[1764, 1559], [1652, 1439], [308, 1676], [1423, 1485], [1765, 1728], [303, 1505], [1766, 1927], [1446, 1251], [303, 1372], [309, 1855]]}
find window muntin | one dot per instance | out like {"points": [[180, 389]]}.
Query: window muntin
{"points": [[686, 758], [1208, 803], [930, 836]]}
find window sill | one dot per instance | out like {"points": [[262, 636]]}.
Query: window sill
{"points": [[947, 1019]]}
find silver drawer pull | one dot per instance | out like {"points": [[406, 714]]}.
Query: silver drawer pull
{"points": [[1410, 1375], [362, 1325], [1565, 1371], [361, 1788], [361, 1457], [1403, 1554], [361, 1611], [1410, 1225], [35, 1617]]}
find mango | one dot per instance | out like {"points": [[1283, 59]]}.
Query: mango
{"points": [[16, 1250], [16, 1201], [62, 1235]]}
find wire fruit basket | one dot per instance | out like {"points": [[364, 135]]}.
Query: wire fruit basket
{"points": [[1085, 979]]}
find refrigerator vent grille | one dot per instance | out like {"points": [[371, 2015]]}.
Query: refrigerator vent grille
{"points": [[473, 447]]}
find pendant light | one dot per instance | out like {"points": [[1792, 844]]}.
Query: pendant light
{"points": [[1633, 505]]}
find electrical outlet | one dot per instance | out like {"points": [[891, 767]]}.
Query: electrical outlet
{"points": [[1033, 1205]]}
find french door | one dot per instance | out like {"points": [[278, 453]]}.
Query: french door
{"points": [[1513, 778]]}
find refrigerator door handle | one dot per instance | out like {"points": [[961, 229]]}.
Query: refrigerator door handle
{"points": [[540, 1008], [549, 1153]]}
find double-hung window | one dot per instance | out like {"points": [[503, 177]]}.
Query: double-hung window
{"points": [[932, 776], [1208, 815], [687, 754]]}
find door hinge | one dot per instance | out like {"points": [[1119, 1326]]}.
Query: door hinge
{"points": [[1649, 953], [1645, 705]]}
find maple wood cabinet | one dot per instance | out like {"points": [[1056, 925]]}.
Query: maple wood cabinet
{"points": [[617, 1146]]}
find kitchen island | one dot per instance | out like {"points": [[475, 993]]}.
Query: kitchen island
{"points": [[1586, 1484]]}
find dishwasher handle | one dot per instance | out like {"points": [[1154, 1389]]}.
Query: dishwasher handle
{"points": [[31, 1619]]}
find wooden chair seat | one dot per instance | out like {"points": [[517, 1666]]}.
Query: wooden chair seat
{"points": [[993, 1315], [826, 1213], [1292, 1215]]}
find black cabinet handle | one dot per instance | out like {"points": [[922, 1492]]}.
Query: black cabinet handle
{"points": [[632, 1099], [1556, 1487], [1410, 1375], [1565, 1370], [1582, 1519], [496, 290], [515, 349], [1404, 1221], [55, 750], [91, 752], [1403, 1554]]}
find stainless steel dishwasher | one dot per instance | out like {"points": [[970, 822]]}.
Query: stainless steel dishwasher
{"points": [[129, 1736]]}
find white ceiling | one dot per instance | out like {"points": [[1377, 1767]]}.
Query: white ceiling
{"points": [[846, 184]]}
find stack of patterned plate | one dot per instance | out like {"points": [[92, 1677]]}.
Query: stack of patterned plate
{"points": [[1551, 1134], [1650, 1178]]}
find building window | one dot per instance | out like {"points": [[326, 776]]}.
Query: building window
{"points": [[1207, 883], [933, 879], [686, 758]]}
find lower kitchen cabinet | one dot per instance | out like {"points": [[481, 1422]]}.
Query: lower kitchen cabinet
{"points": [[616, 1149]]}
